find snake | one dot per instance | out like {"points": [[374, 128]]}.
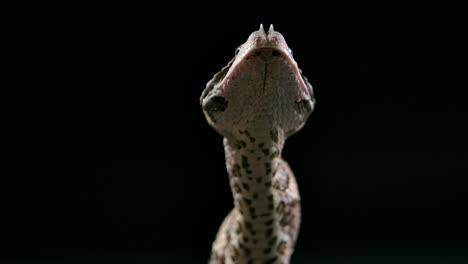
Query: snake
{"points": [[258, 100]]}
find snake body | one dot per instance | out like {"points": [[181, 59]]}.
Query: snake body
{"points": [[258, 100]]}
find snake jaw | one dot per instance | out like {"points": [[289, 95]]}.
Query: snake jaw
{"points": [[262, 86]]}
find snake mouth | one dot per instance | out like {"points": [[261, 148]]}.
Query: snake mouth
{"points": [[266, 56]]}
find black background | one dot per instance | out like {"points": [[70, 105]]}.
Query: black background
{"points": [[109, 156]]}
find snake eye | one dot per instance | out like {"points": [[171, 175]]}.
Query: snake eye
{"points": [[237, 51]]}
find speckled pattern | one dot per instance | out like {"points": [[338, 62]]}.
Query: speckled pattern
{"points": [[255, 102]]}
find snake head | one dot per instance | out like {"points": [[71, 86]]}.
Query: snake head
{"points": [[261, 88]]}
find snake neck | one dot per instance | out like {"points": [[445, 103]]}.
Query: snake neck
{"points": [[255, 166]]}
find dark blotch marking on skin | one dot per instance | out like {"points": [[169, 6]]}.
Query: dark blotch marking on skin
{"points": [[215, 104], [265, 214], [282, 182], [242, 211], [236, 170], [234, 254], [269, 232], [249, 178], [240, 144], [269, 222], [248, 225], [222, 259], [280, 207], [245, 162], [259, 179], [266, 151], [255, 195], [268, 184], [304, 106], [274, 135], [252, 211], [247, 201], [259, 158], [252, 151], [245, 159], [274, 172], [246, 239], [237, 145], [247, 133], [270, 197], [248, 172], [254, 241], [267, 167], [261, 145], [274, 154], [246, 186], [267, 250], [236, 188], [284, 220], [272, 241], [245, 249], [276, 185], [282, 247], [272, 260], [270, 206], [239, 229]]}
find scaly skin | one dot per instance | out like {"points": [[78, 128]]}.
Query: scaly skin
{"points": [[255, 102]]}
